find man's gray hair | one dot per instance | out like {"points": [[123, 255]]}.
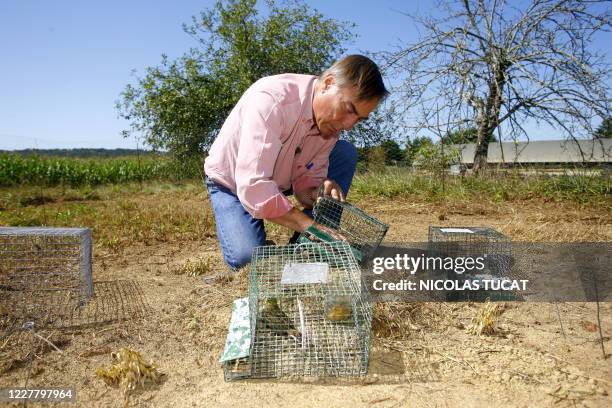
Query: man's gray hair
{"points": [[361, 72]]}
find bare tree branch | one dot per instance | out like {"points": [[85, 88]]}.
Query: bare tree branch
{"points": [[491, 62]]}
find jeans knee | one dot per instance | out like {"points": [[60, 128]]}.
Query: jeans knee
{"points": [[238, 260]]}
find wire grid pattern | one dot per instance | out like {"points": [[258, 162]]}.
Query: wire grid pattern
{"points": [[113, 301], [493, 246], [45, 274], [296, 333], [362, 231], [238, 369], [480, 241]]}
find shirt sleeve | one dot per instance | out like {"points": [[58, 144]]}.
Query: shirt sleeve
{"points": [[317, 173], [261, 127]]}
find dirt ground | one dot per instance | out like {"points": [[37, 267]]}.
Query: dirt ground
{"points": [[430, 360]]}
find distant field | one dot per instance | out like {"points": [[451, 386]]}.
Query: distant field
{"points": [[18, 170], [22, 170], [506, 187]]}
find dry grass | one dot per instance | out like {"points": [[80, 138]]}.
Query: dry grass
{"points": [[485, 321], [119, 216], [207, 309], [395, 182], [195, 267], [394, 323], [129, 371]]}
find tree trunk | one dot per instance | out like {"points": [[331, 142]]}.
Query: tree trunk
{"points": [[482, 147], [488, 121]]}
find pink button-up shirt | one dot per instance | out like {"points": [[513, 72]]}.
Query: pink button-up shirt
{"points": [[270, 143]]}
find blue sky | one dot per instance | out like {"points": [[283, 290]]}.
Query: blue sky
{"points": [[64, 63]]}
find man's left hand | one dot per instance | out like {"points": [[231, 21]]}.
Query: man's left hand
{"points": [[331, 189]]}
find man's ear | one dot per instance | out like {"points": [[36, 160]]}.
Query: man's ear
{"points": [[328, 81]]}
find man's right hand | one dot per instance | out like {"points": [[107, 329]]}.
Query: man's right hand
{"points": [[329, 231], [298, 221], [294, 219]]}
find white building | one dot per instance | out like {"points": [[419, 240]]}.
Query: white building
{"points": [[544, 152]]}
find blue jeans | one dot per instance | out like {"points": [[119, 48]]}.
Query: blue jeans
{"points": [[238, 232]]}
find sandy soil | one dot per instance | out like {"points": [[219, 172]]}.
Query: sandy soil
{"points": [[532, 360]]}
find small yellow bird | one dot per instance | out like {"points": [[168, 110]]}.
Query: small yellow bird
{"points": [[338, 312], [275, 320]]}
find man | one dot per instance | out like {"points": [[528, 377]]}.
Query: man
{"points": [[281, 138]]}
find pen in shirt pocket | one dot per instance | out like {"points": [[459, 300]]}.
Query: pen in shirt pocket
{"points": [[309, 165]]}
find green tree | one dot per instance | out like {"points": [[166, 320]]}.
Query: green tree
{"points": [[393, 153], [429, 156], [413, 146], [463, 136], [376, 159], [604, 131], [180, 105]]}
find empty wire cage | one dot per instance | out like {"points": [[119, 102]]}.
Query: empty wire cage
{"points": [[363, 232], [308, 315], [493, 247], [45, 274]]}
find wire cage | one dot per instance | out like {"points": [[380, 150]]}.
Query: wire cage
{"points": [[308, 315], [363, 232], [45, 275], [493, 247]]}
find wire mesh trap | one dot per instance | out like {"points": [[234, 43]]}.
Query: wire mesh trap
{"points": [[473, 242], [45, 274], [363, 232], [308, 316], [46, 282]]}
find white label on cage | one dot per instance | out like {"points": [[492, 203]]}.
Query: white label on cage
{"points": [[304, 272], [457, 230]]}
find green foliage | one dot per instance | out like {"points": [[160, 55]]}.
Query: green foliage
{"points": [[376, 159], [604, 131], [48, 171], [430, 156], [80, 152], [382, 125], [463, 136], [388, 153], [180, 105], [413, 146], [398, 181], [389, 183], [394, 154]]}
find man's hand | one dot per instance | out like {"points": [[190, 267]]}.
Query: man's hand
{"points": [[329, 231], [310, 196], [329, 188], [294, 219]]}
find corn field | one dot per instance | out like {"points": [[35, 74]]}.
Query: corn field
{"points": [[51, 171]]}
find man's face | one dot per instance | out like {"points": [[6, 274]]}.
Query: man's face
{"points": [[336, 109]]}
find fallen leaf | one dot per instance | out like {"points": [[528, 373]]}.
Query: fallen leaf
{"points": [[588, 326], [376, 401]]}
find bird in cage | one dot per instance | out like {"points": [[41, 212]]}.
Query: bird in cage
{"points": [[275, 320]]}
